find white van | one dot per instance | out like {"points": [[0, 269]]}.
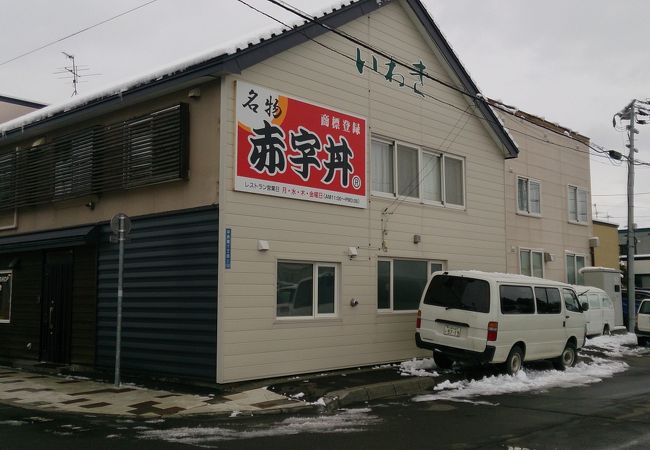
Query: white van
{"points": [[601, 316], [642, 328], [499, 319]]}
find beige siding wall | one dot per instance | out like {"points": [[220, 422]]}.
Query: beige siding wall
{"points": [[252, 343], [201, 188], [10, 111], [557, 162]]}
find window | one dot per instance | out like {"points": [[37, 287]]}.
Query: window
{"points": [[400, 283], [139, 151], [571, 301], [577, 205], [517, 300], [74, 165], [528, 196], [410, 171], [7, 177], [548, 300], [573, 265], [531, 263], [468, 294], [6, 277], [142, 151], [299, 296]]}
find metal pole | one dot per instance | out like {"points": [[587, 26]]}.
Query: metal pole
{"points": [[631, 292], [120, 270]]}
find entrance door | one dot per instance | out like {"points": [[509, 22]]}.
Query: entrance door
{"points": [[56, 307]]}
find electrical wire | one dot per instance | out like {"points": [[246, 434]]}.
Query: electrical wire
{"points": [[76, 33], [600, 152], [286, 6]]}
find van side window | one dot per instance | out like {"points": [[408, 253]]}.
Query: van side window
{"points": [[594, 301], [548, 300], [571, 301], [645, 308], [607, 303], [517, 300]]}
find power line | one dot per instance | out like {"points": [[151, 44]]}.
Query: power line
{"points": [[286, 6], [76, 33], [599, 152]]}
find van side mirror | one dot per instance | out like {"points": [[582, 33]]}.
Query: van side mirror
{"points": [[585, 306]]}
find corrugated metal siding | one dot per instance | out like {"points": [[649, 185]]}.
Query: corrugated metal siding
{"points": [[170, 296]]}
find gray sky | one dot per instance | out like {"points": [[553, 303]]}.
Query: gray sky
{"points": [[573, 62]]}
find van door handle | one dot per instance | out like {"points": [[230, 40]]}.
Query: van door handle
{"points": [[566, 317]]}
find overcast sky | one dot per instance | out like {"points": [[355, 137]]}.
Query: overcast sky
{"points": [[575, 62]]}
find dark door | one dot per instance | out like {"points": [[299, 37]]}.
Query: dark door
{"points": [[56, 307]]}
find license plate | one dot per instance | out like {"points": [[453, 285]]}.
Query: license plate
{"points": [[451, 331]]}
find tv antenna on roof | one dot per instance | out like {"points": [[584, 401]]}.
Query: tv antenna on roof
{"points": [[74, 70]]}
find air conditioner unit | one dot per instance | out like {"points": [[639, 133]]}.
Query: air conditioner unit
{"points": [[549, 257]]}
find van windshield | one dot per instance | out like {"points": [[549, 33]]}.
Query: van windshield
{"points": [[453, 292]]}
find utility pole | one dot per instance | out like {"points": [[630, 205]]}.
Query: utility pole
{"points": [[630, 112], [631, 291]]}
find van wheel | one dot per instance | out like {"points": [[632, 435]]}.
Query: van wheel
{"points": [[642, 341], [606, 330], [514, 362], [568, 358], [442, 361]]}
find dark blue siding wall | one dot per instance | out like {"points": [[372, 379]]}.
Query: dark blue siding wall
{"points": [[170, 296]]}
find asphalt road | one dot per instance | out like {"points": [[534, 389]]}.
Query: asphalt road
{"points": [[612, 414]]}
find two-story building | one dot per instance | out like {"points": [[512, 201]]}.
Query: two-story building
{"points": [[289, 198], [548, 215]]}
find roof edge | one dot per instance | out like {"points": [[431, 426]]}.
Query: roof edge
{"points": [[21, 102], [494, 122]]}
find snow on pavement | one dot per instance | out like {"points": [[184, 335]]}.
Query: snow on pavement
{"points": [[591, 370], [418, 367], [344, 421], [526, 380], [616, 345]]}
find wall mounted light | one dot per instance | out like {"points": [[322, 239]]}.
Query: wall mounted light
{"points": [[353, 252], [263, 246], [417, 238]]}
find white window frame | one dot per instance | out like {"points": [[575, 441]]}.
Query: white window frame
{"points": [[528, 211], [315, 314], [530, 258], [420, 149], [574, 255], [577, 220], [392, 309], [4, 273]]}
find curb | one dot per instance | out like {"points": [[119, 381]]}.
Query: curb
{"points": [[389, 389]]}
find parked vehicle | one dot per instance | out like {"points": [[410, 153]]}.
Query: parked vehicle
{"points": [[640, 295], [601, 316], [499, 319], [642, 328]]}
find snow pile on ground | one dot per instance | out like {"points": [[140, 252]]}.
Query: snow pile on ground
{"points": [[345, 421], [616, 345], [418, 367], [527, 380]]}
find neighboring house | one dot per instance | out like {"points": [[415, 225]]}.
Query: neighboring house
{"points": [[641, 255], [548, 217], [11, 107], [288, 200], [605, 254]]}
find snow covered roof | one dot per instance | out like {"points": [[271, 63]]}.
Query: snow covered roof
{"points": [[233, 57], [166, 71]]}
